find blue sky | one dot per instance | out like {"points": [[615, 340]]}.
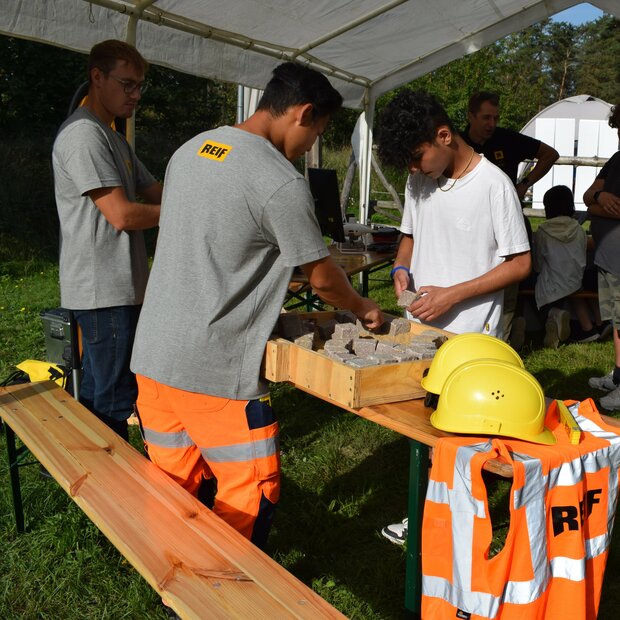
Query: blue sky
{"points": [[578, 14]]}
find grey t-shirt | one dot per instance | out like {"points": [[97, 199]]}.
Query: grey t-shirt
{"points": [[99, 265], [606, 230], [236, 218]]}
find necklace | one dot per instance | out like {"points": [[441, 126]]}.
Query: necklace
{"points": [[460, 175]]}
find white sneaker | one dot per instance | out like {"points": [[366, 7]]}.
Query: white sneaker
{"points": [[605, 384], [396, 532], [611, 401]]}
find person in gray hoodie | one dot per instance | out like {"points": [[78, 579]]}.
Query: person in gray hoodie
{"points": [[560, 259]]}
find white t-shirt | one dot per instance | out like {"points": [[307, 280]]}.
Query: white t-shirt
{"points": [[462, 234]]}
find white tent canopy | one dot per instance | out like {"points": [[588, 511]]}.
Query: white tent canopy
{"points": [[366, 47]]}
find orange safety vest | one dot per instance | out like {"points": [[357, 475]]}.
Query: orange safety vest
{"points": [[562, 506]]}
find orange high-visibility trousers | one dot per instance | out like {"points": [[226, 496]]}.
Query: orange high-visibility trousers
{"points": [[195, 436]]}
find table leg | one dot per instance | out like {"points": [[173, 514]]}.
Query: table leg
{"points": [[418, 481], [13, 455]]}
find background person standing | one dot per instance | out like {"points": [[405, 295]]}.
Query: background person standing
{"points": [[603, 201], [103, 262], [506, 149]]}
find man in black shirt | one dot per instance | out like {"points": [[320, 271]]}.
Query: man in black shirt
{"points": [[504, 147], [603, 201]]}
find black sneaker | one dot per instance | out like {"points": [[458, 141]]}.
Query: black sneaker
{"points": [[587, 336], [605, 330]]}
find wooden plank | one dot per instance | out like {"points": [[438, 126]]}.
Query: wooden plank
{"points": [[192, 558]]}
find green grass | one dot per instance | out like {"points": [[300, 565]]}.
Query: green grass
{"points": [[343, 479]]}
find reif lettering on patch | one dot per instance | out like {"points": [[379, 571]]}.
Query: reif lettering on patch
{"points": [[214, 150]]}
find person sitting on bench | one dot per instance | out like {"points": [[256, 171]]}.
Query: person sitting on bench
{"points": [[560, 246]]}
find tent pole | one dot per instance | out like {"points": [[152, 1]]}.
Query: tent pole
{"points": [[366, 121], [130, 37]]}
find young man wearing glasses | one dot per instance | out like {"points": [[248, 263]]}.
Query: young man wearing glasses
{"points": [[103, 263]]}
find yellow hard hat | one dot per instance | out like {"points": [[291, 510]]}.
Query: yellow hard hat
{"points": [[464, 348], [492, 397]]}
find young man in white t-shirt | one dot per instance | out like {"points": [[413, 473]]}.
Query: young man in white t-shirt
{"points": [[463, 237]]}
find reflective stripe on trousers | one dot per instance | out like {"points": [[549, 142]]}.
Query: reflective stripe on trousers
{"points": [[195, 436]]}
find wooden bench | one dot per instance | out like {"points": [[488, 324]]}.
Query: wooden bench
{"points": [[197, 563]]}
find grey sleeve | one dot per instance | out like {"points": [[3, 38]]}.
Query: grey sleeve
{"points": [[86, 158], [290, 223]]}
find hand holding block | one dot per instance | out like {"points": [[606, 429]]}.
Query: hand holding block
{"points": [[406, 298]]}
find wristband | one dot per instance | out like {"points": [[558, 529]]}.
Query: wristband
{"points": [[596, 195], [396, 269]]}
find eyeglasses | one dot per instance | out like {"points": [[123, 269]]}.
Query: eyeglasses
{"points": [[129, 86]]}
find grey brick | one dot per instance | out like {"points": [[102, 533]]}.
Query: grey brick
{"points": [[382, 358], [364, 346], [360, 362], [289, 325], [345, 316], [346, 330], [326, 329], [307, 341], [406, 298]]}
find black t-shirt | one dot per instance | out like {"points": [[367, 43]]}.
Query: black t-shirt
{"points": [[506, 149], [606, 230]]}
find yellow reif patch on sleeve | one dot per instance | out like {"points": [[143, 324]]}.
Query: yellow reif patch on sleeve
{"points": [[214, 150]]}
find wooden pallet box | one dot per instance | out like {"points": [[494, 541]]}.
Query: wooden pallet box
{"points": [[318, 374]]}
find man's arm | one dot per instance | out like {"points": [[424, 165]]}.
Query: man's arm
{"points": [[546, 156], [331, 284], [122, 213], [152, 194], [603, 204], [436, 300]]}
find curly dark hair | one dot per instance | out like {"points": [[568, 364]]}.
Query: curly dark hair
{"points": [[614, 116], [408, 121]]}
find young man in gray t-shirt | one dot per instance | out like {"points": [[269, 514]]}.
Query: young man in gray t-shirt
{"points": [[103, 262], [236, 219]]}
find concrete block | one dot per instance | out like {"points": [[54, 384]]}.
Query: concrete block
{"points": [[382, 358], [326, 329], [345, 316], [307, 341], [406, 298], [289, 325], [360, 362], [399, 326], [364, 346], [345, 330], [336, 344]]}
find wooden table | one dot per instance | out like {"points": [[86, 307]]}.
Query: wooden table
{"points": [[353, 263]]}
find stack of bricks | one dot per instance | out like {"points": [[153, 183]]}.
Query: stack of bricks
{"points": [[347, 340]]}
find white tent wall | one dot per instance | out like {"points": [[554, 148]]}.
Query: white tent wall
{"points": [[573, 126], [365, 47]]}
